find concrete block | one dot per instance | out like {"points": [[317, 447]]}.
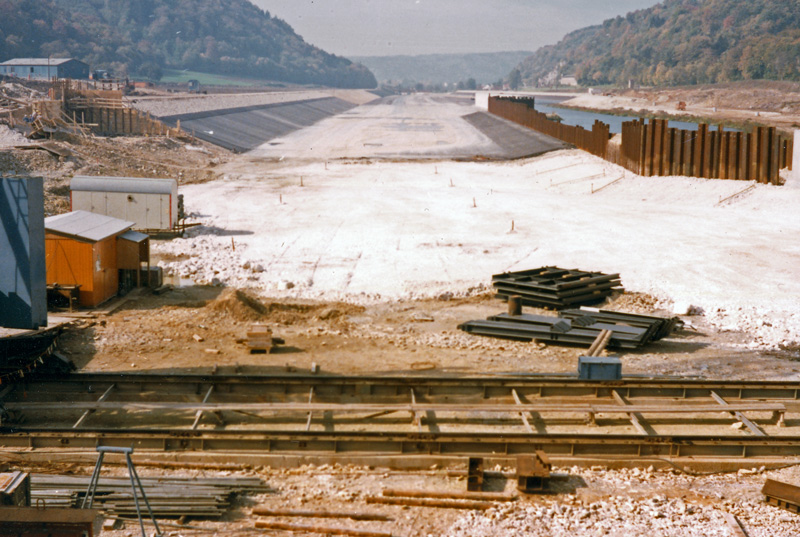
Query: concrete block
{"points": [[23, 271]]}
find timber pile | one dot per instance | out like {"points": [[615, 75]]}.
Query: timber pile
{"points": [[553, 287], [169, 497], [577, 327]]}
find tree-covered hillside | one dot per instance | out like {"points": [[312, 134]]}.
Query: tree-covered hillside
{"points": [[139, 37], [679, 42]]}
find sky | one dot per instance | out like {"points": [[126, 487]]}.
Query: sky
{"points": [[412, 27]]}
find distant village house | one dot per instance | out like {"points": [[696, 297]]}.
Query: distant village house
{"points": [[45, 68]]}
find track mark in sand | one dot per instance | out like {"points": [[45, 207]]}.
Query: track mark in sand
{"points": [[523, 258], [353, 270], [280, 256], [319, 259]]}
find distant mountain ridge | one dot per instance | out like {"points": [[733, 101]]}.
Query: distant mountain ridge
{"points": [[443, 68], [140, 37], [678, 42]]}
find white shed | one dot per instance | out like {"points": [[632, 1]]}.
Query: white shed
{"points": [[151, 203]]}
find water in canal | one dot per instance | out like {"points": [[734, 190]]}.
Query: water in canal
{"points": [[586, 119]]}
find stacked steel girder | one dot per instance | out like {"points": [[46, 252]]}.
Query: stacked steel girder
{"points": [[553, 287], [578, 327]]}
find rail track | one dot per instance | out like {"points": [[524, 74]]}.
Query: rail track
{"points": [[741, 422]]}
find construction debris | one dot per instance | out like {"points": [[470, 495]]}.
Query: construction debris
{"points": [[169, 497], [553, 287], [579, 327]]}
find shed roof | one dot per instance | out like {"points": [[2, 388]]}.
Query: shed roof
{"points": [[131, 185], [39, 61], [85, 225], [134, 236]]}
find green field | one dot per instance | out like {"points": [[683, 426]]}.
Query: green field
{"points": [[177, 76]]}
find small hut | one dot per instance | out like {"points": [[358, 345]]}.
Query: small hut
{"points": [[97, 254]]}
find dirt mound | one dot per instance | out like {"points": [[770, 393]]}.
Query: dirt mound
{"points": [[238, 305]]}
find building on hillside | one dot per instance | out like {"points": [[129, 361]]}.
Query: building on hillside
{"points": [[568, 80], [151, 204], [45, 68], [99, 253]]}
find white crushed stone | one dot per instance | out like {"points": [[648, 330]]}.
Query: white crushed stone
{"points": [[9, 137]]}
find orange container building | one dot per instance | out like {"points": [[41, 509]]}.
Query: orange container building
{"points": [[86, 249]]}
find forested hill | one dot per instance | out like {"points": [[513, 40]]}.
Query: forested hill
{"points": [[140, 37], [679, 42]]}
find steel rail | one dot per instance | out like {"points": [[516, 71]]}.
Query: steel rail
{"points": [[498, 415], [789, 389], [775, 449]]}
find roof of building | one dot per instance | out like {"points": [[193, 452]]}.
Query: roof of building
{"points": [[86, 226], [137, 185], [39, 61], [134, 236]]}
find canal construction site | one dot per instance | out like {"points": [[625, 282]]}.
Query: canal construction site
{"points": [[408, 316]]}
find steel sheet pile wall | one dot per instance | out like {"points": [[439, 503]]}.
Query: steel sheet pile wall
{"points": [[656, 149], [521, 111]]}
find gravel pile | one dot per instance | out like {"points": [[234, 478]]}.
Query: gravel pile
{"points": [[621, 516], [10, 137]]}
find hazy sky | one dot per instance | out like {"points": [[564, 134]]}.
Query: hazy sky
{"points": [[392, 27]]}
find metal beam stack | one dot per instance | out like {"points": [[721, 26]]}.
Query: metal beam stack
{"points": [[169, 497], [553, 287], [577, 327]]}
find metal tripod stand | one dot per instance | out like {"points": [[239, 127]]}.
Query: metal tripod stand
{"points": [[90, 493]]}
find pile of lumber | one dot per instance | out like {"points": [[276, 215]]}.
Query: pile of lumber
{"points": [[577, 327], [169, 497], [557, 288]]}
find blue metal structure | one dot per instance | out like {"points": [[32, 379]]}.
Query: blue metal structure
{"points": [[23, 272]]}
